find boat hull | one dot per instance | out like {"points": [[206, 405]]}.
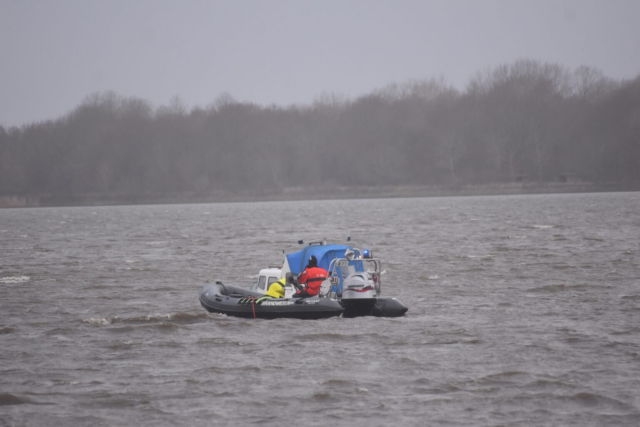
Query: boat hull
{"points": [[377, 307], [239, 302], [389, 307]]}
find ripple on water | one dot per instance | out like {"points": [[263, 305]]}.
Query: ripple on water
{"points": [[425, 386], [7, 399], [599, 403], [563, 288], [171, 318], [14, 279], [337, 337], [119, 345]]}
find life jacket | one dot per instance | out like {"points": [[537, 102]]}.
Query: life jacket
{"points": [[313, 278], [276, 289]]}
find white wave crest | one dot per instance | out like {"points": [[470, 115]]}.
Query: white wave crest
{"points": [[15, 279], [103, 321]]}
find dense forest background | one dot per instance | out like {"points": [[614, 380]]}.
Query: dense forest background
{"points": [[526, 121]]}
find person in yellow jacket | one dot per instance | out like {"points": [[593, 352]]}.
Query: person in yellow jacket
{"points": [[276, 290]]}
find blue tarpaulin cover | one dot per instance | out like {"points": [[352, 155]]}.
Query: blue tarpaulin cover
{"points": [[324, 253]]}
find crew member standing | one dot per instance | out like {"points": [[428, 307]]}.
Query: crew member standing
{"points": [[311, 279]]}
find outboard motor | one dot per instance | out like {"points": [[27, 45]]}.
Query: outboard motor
{"points": [[358, 295]]}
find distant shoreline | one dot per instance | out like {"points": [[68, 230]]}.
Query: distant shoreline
{"points": [[314, 193]]}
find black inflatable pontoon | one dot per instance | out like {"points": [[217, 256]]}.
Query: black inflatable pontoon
{"points": [[239, 302]]}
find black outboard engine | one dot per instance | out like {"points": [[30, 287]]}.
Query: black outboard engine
{"points": [[358, 295]]}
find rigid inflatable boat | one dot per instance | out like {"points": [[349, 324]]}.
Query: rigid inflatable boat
{"points": [[239, 302], [352, 289]]}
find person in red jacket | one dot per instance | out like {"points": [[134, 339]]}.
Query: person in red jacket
{"points": [[311, 279]]}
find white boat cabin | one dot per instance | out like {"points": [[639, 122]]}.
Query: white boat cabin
{"points": [[267, 277]]}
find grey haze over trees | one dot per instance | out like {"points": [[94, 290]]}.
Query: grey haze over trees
{"points": [[525, 120]]}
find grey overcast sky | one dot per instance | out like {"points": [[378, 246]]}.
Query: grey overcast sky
{"points": [[53, 53]]}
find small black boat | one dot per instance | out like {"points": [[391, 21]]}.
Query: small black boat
{"points": [[239, 302]]}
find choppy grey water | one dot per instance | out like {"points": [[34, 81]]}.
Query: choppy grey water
{"points": [[523, 310]]}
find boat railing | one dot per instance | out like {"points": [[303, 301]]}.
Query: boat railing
{"points": [[337, 273]]}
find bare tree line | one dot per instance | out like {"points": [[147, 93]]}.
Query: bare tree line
{"points": [[522, 121]]}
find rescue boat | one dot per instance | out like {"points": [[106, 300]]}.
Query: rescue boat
{"points": [[352, 289]]}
